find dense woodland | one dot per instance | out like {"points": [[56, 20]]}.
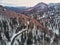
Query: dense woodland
{"points": [[35, 26]]}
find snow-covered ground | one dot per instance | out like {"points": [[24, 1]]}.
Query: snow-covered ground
{"points": [[15, 36]]}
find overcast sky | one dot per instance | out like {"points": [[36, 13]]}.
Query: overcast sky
{"points": [[28, 3]]}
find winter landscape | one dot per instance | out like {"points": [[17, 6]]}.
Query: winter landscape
{"points": [[36, 25]]}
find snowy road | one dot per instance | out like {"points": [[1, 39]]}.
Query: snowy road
{"points": [[15, 35]]}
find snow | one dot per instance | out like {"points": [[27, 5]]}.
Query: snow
{"points": [[17, 34]]}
